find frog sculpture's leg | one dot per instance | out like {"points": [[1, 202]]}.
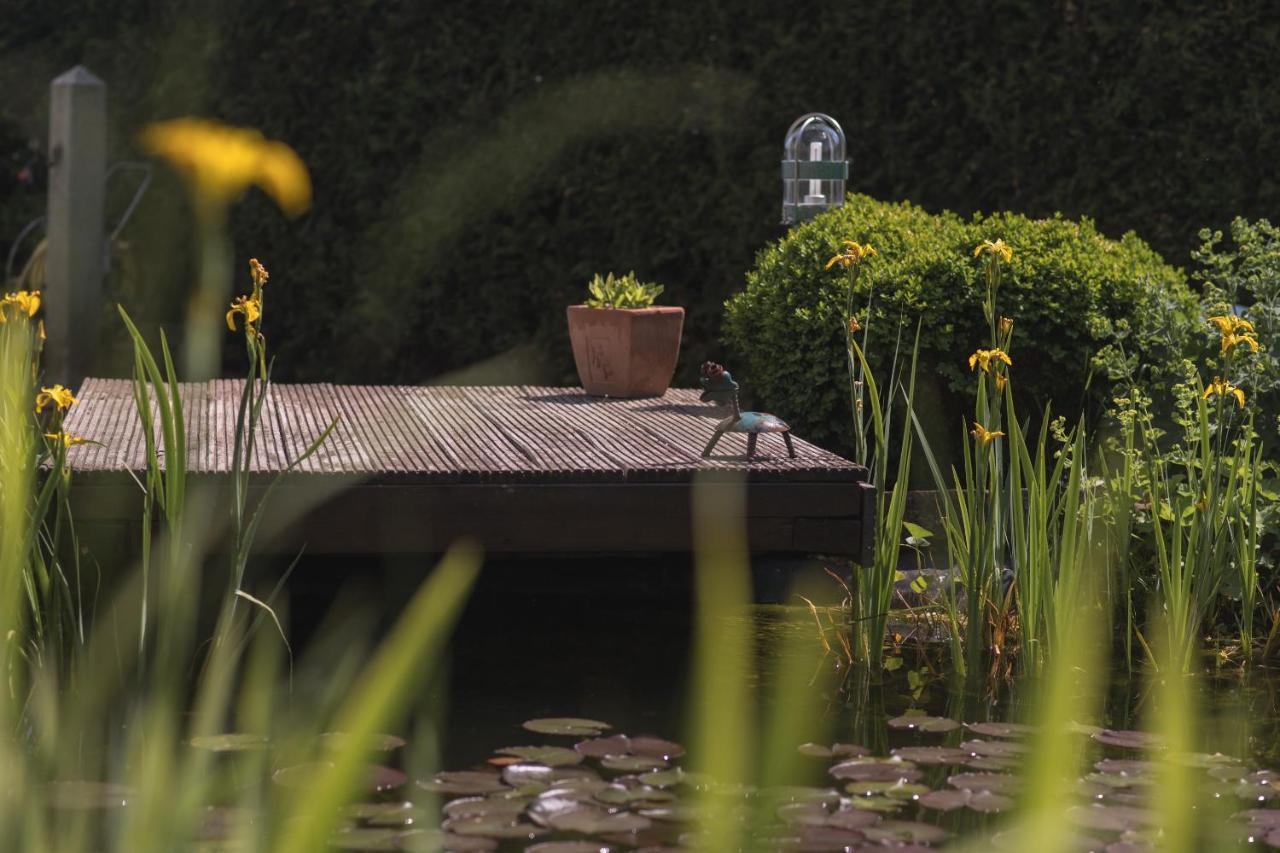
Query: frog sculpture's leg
{"points": [[712, 443], [751, 444], [791, 448]]}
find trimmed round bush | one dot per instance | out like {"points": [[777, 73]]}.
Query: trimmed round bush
{"points": [[1068, 289]]}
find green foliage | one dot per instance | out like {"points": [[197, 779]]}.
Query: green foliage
{"points": [[1066, 287], [678, 180], [624, 291], [1246, 273]]}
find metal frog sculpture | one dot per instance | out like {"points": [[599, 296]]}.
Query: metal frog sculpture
{"points": [[718, 387]]}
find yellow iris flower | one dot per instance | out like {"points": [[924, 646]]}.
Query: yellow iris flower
{"points": [[26, 301], [258, 272], [853, 254], [984, 358], [1235, 331], [1221, 388], [1229, 324], [1230, 342], [221, 162], [1006, 325], [249, 308], [68, 440], [999, 249], [982, 435], [58, 396]]}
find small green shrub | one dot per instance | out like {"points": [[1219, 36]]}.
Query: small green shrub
{"points": [[624, 291], [1067, 289]]}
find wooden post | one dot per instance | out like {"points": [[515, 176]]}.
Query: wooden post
{"points": [[74, 253]]}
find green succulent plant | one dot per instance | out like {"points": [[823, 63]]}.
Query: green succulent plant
{"points": [[624, 291]]}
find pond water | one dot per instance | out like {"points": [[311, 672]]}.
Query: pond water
{"points": [[912, 762]]}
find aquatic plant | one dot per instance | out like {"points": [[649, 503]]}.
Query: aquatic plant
{"points": [[872, 585]]}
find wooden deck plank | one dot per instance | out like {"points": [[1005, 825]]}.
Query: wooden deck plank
{"points": [[523, 468], [444, 433]]}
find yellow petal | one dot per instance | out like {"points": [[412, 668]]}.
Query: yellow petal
{"points": [[284, 177]]}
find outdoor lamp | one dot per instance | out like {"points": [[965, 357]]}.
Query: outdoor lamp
{"points": [[814, 169]]}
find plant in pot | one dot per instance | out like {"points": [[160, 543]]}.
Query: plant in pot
{"points": [[623, 344]]}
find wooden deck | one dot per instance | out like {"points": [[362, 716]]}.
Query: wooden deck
{"points": [[523, 469]]}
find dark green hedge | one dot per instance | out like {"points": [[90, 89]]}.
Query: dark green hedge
{"points": [[1065, 288], [475, 162]]}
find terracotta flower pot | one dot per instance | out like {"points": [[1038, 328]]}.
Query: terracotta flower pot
{"points": [[625, 352]]}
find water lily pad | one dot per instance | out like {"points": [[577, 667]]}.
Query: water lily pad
{"points": [[1126, 766], [899, 790], [239, 742], [382, 778], [463, 782], [1269, 818], [574, 726], [1229, 773], [632, 763], [664, 778], [1000, 729], [933, 754], [805, 814], [387, 814], [875, 771], [999, 783], [993, 763], [922, 723], [851, 818], [994, 748], [978, 801], [876, 804], [484, 806], [552, 756], [836, 750], [299, 774], [539, 774], [674, 813], [1256, 791], [592, 820], [1128, 739], [1119, 780], [946, 800], [903, 831], [493, 827], [621, 795], [377, 743], [568, 847], [601, 747], [1205, 759], [655, 747]]}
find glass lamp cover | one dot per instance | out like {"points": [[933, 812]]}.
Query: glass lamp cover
{"points": [[814, 169]]}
